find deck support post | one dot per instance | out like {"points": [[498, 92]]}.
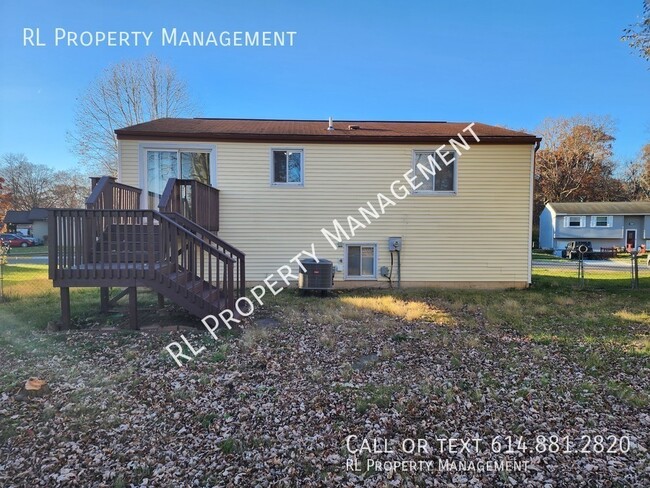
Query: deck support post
{"points": [[161, 300], [65, 307], [133, 307], [104, 299]]}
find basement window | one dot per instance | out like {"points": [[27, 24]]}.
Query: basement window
{"points": [[361, 261], [287, 167]]}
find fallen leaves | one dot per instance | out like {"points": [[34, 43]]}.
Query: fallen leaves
{"points": [[274, 407]]}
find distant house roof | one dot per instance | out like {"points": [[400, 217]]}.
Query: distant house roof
{"points": [[38, 214], [17, 217], [25, 216], [604, 208], [350, 131]]}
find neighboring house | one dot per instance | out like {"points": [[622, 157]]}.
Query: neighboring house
{"points": [[605, 224], [281, 181], [28, 222], [269, 187]]}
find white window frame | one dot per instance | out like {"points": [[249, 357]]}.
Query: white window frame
{"points": [[582, 222], [347, 276], [594, 221], [416, 172], [144, 148], [272, 181]]}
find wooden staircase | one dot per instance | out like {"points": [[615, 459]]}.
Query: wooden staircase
{"points": [[122, 247]]}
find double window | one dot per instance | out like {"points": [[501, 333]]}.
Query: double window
{"points": [[602, 221], [361, 261], [575, 221], [287, 167], [434, 173]]}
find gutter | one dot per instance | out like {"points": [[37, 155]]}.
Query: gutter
{"points": [[531, 204], [316, 138]]}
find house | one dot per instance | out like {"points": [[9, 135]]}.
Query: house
{"points": [[605, 224], [28, 222], [281, 182], [457, 196]]}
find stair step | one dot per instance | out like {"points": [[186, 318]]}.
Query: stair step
{"points": [[195, 286], [179, 277], [211, 295], [198, 287]]}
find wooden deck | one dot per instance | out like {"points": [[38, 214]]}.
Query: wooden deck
{"points": [[129, 247]]}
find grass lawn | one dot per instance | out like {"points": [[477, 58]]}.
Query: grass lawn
{"points": [[612, 279], [28, 251], [543, 255], [276, 403]]}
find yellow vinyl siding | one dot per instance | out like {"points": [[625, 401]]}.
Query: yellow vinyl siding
{"points": [[129, 171], [479, 235]]}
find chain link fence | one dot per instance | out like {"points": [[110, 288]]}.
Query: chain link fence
{"points": [[629, 271], [23, 275]]}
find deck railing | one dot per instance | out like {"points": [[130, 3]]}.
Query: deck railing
{"points": [[109, 247], [109, 194], [193, 200], [229, 250]]}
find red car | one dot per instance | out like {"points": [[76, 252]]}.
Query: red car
{"points": [[15, 240]]}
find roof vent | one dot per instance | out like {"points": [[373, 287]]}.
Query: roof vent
{"points": [[331, 124], [353, 127]]}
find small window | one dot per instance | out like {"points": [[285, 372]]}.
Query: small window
{"points": [[601, 221], [433, 173], [361, 261], [287, 167], [574, 221]]}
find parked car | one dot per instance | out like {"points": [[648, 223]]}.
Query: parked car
{"points": [[16, 240], [574, 249], [37, 241]]}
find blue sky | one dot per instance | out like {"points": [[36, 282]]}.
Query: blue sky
{"points": [[506, 62]]}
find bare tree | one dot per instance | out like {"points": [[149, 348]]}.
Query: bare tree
{"points": [[636, 176], [30, 184], [575, 162], [37, 185], [127, 93], [638, 35], [70, 190]]}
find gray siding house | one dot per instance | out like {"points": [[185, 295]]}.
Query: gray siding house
{"points": [[605, 224]]}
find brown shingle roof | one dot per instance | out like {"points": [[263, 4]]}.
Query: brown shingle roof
{"points": [[316, 131]]}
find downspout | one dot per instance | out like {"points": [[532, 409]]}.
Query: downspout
{"points": [[538, 142]]}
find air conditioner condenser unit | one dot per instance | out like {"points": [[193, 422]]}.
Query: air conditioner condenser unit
{"points": [[316, 275]]}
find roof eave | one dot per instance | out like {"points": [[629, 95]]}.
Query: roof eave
{"points": [[601, 213], [123, 134]]}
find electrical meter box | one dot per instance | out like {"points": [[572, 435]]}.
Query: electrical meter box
{"points": [[394, 243]]}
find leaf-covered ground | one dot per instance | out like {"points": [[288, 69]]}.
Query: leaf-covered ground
{"points": [[274, 406]]}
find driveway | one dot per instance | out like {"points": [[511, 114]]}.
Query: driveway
{"points": [[26, 259]]}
